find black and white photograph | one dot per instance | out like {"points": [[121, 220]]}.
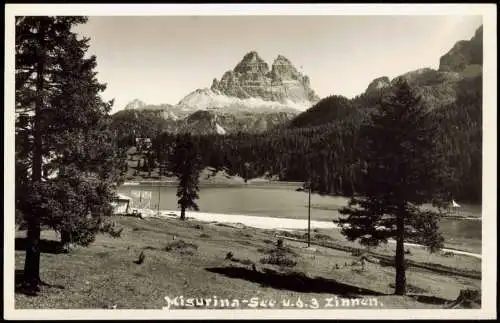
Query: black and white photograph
{"points": [[250, 161]]}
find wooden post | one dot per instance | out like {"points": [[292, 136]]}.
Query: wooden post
{"points": [[309, 219], [159, 198]]}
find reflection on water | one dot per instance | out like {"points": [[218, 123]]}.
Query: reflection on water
{"points": [[283, 201]]}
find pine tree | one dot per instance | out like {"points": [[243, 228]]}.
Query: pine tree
{"points": [[403, 169], [150, 161], [65, 154], [185, 164]]}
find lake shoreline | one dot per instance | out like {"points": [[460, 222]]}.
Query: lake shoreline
{"points": [[229, 183], [275, 202], [262, 183]]}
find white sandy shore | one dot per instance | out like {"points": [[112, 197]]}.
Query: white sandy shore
{"points": [[261, 222], [212, 180]]}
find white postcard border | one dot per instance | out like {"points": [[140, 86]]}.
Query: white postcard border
{"points": [[489, 208]]}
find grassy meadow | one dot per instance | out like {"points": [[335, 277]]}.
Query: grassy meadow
{"points": [[203, 260]]}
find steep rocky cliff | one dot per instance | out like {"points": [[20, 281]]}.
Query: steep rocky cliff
{"points": [[252, 78], [464, 54], [459, 69], [439, 87]]}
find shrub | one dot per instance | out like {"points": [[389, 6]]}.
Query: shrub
{"points": [[322, 236], [204, 235], [298, 275], [280, 256], [230, 256], [279, 260], [279, 243], [245, 262], [182, 247], [84, 236], [468, 298], [111, 229], [411, 288]]}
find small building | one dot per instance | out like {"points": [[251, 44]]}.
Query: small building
{"points": [[121, 204]]}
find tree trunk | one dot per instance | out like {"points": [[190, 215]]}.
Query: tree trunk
{"points": [[400, 257], [65, 237], [65, 240], [32, 259], [183, 212]]}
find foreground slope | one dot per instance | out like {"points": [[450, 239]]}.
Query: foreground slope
{"points": [[105, 275]]}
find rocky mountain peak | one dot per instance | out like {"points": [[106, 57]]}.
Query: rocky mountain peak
{"points": [[463, 61], [251, 78], [282, 60], [251, 56], [463, 54], [252, 63], [479, 32], [283, 69]]}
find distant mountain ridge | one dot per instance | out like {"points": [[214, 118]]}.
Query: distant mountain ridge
{"points": [[464, 60], [464, 54], [252, 97], [462, 64]]}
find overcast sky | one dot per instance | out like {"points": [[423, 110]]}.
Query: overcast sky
{"points": [[160, 59]]}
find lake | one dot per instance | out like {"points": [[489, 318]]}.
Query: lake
{"points": [[283, 201]]}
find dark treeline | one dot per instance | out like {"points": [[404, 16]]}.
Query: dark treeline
{"points": [[316, 153], [462, 135], [323, 144]]}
